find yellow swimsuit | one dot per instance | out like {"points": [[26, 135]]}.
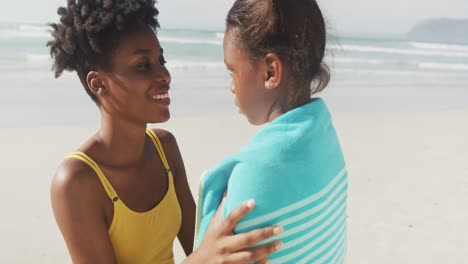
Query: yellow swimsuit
{"points": [[142, 238]]}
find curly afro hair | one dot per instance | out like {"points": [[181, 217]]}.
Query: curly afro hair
{"points": [[89, 31]]}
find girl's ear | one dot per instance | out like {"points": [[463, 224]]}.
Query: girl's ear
{"points": [[274, 71], [95, 84]]}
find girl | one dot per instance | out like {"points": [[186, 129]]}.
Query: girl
{"points": [[123, 197], [294, 167]]}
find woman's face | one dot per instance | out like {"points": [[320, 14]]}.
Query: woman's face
{"points": [[137, 86]]}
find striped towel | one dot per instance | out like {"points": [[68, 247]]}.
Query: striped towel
{"points": [[295, 171]]}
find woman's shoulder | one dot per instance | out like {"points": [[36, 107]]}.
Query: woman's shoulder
{"points": [[166, 137], [73, 170], [73, 179], [79, 200]]}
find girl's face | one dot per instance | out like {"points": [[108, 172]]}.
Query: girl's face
{"points": [[248, 81], [137, 85]]}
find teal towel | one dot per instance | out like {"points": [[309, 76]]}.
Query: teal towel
{"points": [[295, 171]]}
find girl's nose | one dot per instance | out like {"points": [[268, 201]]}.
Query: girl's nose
{"points": [[232, 88]]}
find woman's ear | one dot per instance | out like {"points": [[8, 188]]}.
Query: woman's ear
{"points": [[95, 84], [274, 71]]}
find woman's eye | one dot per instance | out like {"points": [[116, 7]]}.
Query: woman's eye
{"points": [[144, 65], [162, 60]]}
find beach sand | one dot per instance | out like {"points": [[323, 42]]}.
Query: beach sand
{"points": [[408, 182]]}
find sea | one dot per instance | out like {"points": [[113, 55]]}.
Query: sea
{"points": [[368, 74]]}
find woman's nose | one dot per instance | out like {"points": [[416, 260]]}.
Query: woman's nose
{"points": [[164, 75]]}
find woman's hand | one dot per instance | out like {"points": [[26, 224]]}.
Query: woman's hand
{"points": [[221, 245]]}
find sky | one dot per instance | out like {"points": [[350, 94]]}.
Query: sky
{"points": [[346, 17]]}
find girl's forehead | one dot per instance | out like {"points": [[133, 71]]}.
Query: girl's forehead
{"points": [[232, 41]]}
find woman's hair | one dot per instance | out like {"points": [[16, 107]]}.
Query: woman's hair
{"points": [[292, 29], [89, 32]]}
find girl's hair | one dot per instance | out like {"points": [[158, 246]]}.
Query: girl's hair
{"points": [[292, 29], [89, 32]]}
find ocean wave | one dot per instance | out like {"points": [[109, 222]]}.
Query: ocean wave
{"points": [[408, 63], [28, 58], [24, 31], [12, 34], [411, 73], [33, 28], [220, 35], [437, 46], [190, 41], [186, 65], [359, 60], [444, 66], [375, 49], [38, 57]]}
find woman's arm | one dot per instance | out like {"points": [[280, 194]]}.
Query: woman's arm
{"points": [[184, 195], [77, 205]]}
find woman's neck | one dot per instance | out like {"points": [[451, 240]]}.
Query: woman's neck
{"points": [[122, 140]]}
